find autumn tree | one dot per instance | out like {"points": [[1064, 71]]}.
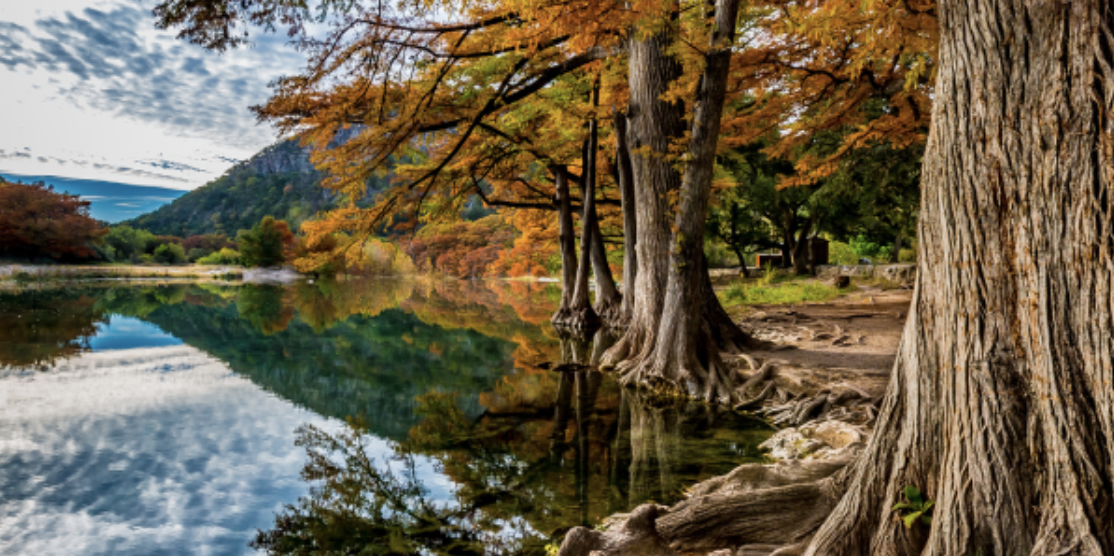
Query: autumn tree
{"points": [[36, 221], [998, 408], [267, 244]]}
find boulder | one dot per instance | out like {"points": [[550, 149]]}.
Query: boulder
{"points": [[899, 273]]}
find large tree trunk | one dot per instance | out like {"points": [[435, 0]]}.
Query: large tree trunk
{"points": [[630, 219], [683, 356], [654, 122], [567, 243], [1001, 407]]}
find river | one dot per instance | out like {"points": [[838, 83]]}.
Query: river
{"points": [[410, 416]]}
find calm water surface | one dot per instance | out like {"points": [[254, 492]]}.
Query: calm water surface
{"points": [[196, 419]]}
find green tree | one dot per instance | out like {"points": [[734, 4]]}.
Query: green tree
{"points": [[266, 243], [170, 253], [126, 243]]}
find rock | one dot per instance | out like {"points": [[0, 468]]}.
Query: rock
{"points": [[899, 273], [821, 440], [835, 434], [840, 281], [785, 444]]}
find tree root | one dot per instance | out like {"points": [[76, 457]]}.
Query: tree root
{"points": [[762, 509], [576, 320], [610, 312], [637, 537]]}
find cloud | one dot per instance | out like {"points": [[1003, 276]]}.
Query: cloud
{"points": [[141, 451], [112, 168], [112, 60]]}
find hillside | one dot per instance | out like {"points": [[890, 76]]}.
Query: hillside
{"points": [[280, 181]]}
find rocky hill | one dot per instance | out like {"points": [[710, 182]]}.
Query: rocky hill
{"points": [[280, 181]]}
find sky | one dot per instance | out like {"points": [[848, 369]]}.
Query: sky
{"points": [[91, 90]]}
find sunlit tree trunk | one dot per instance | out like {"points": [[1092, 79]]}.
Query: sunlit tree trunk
{"points": [[1001, 407], [567, 242], [608, 299], [671, 344], [581, 315], [630, 219]]}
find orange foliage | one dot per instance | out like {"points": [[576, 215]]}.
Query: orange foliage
{"points": [[533, 248], [862, 69], [463, 249], [36, 221]]}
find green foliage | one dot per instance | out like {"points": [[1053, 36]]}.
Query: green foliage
{"points": [[779, 292], [128, 243], [915, 508], [169, 253], [265, 243], [841, 253], [278, 181], [770, 275], [719, 255], [866, 248], [225, 256]]}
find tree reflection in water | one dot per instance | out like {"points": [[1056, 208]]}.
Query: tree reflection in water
{"points": [[41, 326], [360, 506], [525, 471], [448, 375]]}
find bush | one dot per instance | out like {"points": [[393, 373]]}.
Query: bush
{"points": [[266, 243], [169, 253], [907, 256], [841, 253], [225, 256], [870, 250], [146, 259], [197, 253]]}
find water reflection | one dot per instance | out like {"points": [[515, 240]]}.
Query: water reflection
{"points": [[141, 451], [40, 327], [488, 451]]}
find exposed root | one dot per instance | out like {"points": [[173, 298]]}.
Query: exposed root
{"points": [[636, 537], [610, 312], [576, 320], [763, 509], [848, 404]]}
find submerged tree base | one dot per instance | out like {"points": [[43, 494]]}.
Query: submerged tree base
{"points": [[577, 321]]}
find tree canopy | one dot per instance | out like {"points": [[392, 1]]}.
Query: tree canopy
{"points": [[37, 221]]}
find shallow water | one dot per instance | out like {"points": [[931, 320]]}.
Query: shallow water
{"points": [[180, 419]]}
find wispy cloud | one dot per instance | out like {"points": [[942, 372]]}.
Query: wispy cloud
{"points": [[109, 60]]}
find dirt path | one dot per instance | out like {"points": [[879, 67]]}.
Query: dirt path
{"points": [[852, 338]]}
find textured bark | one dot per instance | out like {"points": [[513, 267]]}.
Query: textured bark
{"points": [[1001, 407], [625, 175], [567, 243], [580, 315], [653, 123], [609, 301], [681, 354]]}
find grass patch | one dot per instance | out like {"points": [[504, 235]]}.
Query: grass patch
{"points": [[779, 292]]}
